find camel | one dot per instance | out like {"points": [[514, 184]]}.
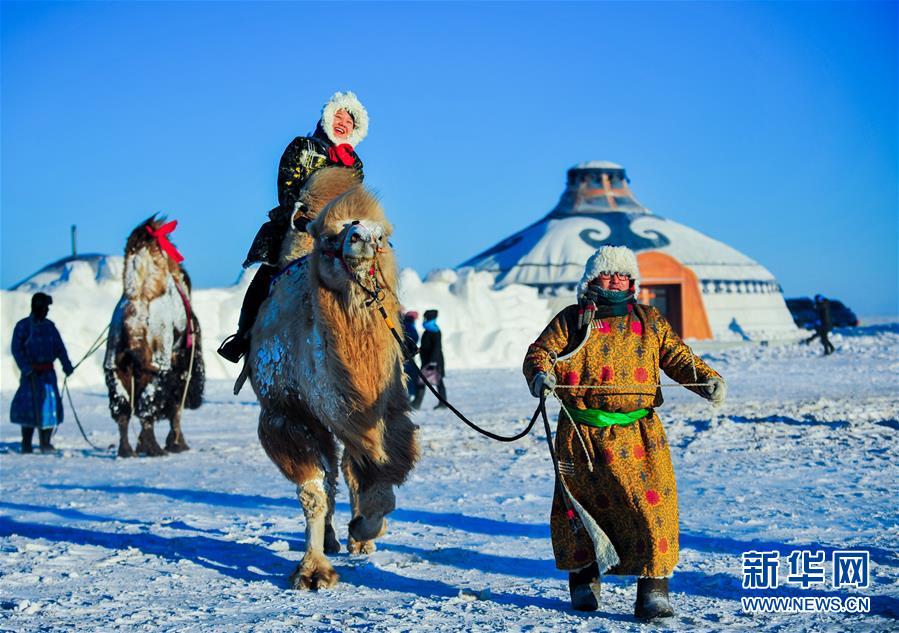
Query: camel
{"points": [[154, 343], [326, 369]]}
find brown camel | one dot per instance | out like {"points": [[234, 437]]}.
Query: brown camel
{"points": [[154, 343], [326, 369]]}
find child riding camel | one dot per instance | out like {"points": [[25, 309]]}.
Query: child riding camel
{"points": [[343, 125]]}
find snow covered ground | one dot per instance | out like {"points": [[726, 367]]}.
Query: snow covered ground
{"points": [[802, 456]]}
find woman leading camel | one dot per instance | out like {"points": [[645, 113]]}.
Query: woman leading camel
{"points": [[615, 510], [343, 125]]}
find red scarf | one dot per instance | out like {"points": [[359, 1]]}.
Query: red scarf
{"points": [[342, 153], [164, 243]]}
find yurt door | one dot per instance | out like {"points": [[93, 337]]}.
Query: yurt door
{"points": [[674, 290], [667, 298]]}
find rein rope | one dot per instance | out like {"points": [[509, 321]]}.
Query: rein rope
{"points": [[376, 297], [96, 345]]}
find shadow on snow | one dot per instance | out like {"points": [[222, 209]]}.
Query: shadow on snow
{"points": [[236, 559], [453, 520]]}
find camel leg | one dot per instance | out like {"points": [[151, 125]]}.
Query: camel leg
{"points": [[371, 483], [174, 441], [305, 452], [332, 544], [125, 449], [364, 527], [314, 571], [146, 441]]}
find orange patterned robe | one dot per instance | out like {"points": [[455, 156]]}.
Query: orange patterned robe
{"points": [[630, 494]]}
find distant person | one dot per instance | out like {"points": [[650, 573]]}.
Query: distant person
{"points": [[410, 334], [615, 510], [36, 344], [823, 324], [343, 125], [431, 359]]}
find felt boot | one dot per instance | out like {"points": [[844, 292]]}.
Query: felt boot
{"points": [[235, 346], [46, 446], [27, 436], [584, 586], [652, 599]]}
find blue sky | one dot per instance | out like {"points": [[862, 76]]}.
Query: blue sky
{"points": [[769, 126]]}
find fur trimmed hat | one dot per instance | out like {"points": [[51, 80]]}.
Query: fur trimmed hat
{"points": [[349, 102], [610, 259]]}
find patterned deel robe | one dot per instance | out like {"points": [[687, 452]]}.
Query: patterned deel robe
{"points": [[300, 159], [630, 492]]}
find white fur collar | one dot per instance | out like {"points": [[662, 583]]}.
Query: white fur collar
{"points": [[349, 102]]}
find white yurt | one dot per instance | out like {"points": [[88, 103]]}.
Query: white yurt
{"points": [[706, 289]]}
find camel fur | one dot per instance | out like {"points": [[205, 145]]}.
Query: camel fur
{"points": [[327, 371], [147, 353]]}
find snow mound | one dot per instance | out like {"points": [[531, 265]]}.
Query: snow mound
{"points": [[100, 267], [482, 327]]}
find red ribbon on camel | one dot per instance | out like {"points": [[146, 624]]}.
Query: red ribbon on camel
{"points": [[164, 243], [342, 153]]}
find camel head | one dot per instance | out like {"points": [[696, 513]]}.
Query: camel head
{"points": [[147, 264], [350, 233]]}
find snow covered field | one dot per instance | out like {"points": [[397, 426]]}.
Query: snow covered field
{"points": [[802, 456]]}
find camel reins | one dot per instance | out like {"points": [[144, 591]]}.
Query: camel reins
{"points": [[575, 521], [96, 345], [376, 298]]}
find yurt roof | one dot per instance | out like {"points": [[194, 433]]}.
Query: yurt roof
{"points": [[597, 208]]}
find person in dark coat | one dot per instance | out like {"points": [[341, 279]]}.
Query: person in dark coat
{"points": [[36, 344], [823, 325], [343, 125], [410, 334], [431, 359]]}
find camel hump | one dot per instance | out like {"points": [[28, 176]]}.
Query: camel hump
{"points": [[342, 200], [326, 184]]}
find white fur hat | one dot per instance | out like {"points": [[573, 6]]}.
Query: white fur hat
{"points": [[611, 259], [349, 102]]}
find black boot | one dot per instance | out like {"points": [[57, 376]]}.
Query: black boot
{"points": [[27, 436], [235, 346], [46, 446], [584, 586], [652, 599]]}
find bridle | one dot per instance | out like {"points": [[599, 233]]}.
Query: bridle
{"points": [[376, 294]]}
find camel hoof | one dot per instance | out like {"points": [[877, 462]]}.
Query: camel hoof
{"points": [[150, 449], [312, 574], [332, 545], [175, 444], [362, 529], [361, 547]]}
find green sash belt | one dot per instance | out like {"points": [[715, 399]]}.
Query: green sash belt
{"points": [[600, 418]]}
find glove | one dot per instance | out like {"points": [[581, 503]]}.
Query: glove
{"points": [[542, 383], [716, 391]]}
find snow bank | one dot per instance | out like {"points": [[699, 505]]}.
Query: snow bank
{"points": [[481, 327]]}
